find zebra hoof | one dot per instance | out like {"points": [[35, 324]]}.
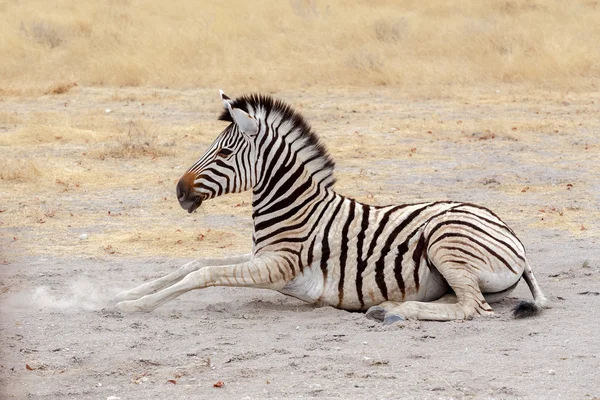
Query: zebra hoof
{"points": [[391, 319], [130, 307], [376, 313]]}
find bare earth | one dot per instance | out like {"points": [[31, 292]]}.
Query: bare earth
{"points": [[92, 211]]}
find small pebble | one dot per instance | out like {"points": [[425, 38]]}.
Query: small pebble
{"points": [[551, 372], [83, 236]]}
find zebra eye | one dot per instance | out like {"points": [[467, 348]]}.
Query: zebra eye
{"points": [[224, 152]]}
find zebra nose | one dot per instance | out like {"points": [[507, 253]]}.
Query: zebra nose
{"points": [[182, 191], [188, 199]]}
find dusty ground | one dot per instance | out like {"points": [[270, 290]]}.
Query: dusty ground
{"points": [[87, 208]]}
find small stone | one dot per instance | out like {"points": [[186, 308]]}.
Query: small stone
{"points": [[551, 372], [83, 236]]}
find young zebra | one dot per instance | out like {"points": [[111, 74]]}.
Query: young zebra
{"points": [[440, 260]]}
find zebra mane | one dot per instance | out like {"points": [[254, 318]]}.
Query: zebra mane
{"points": [[271, 106]]}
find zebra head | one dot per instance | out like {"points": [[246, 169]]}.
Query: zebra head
{"points": [[225, 167]]}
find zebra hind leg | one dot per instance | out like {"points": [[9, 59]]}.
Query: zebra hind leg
{"points": [[469, 301], [378, 313]]}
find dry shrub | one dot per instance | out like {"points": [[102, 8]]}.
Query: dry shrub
{"points": [[18, 170], [267, 45], [138, 140], [43, 32], [60, 88]]}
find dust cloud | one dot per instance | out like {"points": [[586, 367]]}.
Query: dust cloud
{"points": [[82, 295]]}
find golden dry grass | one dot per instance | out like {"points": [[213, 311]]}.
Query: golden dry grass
{"points": [[265, 45], [18, 170]]}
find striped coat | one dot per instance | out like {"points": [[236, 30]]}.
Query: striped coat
{"points": [[438, 260]]}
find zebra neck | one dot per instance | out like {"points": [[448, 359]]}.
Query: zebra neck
{"points": [[284, 211], [289, 170]]}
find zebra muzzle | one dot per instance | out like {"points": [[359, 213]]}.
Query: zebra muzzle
{"points": [[188, 199]]}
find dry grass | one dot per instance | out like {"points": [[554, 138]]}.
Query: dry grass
{"points": [[138, 140], [18, 170], [279, 45]]}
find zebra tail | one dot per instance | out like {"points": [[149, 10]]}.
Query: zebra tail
{"points": [[526, 309]]}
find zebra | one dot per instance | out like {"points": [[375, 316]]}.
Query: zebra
{"points": [[440, 260]]}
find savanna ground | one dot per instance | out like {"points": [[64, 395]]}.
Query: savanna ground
{"points": [[103, 107]]}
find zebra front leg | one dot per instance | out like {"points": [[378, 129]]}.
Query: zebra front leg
{"points": [[175, 276], [266, 273]]}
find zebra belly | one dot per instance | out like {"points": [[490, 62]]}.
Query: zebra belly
{"points": [[310, 286], [306, 286]]}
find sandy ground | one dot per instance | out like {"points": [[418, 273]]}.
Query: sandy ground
{"points": [[92, 212]]}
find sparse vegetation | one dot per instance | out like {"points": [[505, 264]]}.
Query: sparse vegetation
{"points": [[139, 139], [18, 170]]}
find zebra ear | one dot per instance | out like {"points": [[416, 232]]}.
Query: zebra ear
{"points": [[244, 121], [226, 100]]}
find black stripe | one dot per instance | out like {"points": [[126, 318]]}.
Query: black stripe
{"points": [[398, 271], [382, 223], [298, 255], [380, 264], [264, 152], [417, 255], [237, 177], [477, 216], [464, 251], [478, 229], [309, 257], [266, 135], [500, 224], [292, 227], [267, 179], [481, 208], [282, 167], [286, 185], [402, 249], [209, 188], [360, 263], [344, 251], [279, 201], [325, 252], [492, 252], [294, 211], [220, 175]]}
